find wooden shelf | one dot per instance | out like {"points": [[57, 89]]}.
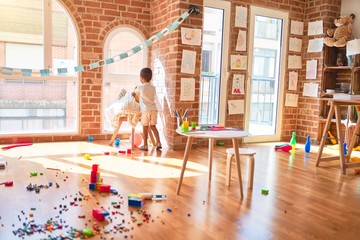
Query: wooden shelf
{"points": [[338, 68], [343, 121]]}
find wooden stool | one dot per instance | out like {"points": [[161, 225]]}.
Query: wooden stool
{"points": [[249, 153]]}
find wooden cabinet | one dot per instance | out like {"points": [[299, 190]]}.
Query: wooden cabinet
{"points": [[341, 75]]}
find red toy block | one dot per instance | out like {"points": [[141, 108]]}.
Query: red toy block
{"points": [[95, 167], [105, 188], [98, 214]]}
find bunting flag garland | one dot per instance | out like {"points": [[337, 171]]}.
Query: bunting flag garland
{"points": [[63, 71]]}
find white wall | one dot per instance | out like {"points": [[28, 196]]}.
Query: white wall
{"points": [[352, 6]]}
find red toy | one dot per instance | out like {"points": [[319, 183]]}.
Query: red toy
{"points": [[284, 147], [8, 183], [16, 145], [105, 188]]}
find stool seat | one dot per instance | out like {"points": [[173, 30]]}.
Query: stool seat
{"points": [[243, 152]]}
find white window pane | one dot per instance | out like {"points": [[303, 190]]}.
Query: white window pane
{"points": [[24, 56]]}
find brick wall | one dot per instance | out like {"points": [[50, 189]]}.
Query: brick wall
{"points": [[169, 53], [308, 115]]}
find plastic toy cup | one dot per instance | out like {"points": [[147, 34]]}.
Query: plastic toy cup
{"points": [[185, 126], [193, 125]]}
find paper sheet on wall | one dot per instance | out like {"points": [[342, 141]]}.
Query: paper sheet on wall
{"points": [[236, 106], [311, 69], [238, 62], [240, 17], [238, 84], [188, 62], [297, 27], [190, 36], [353, 47], [310, 90], [315, 45], [295, 44], [315, 28], [187, 90], [241, 41], [294, 62], [293, 79], [291, 100]]}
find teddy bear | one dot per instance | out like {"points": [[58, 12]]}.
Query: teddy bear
{"points": [[338, 37]]}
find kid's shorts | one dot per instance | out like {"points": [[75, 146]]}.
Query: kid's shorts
{"points": [[149, 118]]}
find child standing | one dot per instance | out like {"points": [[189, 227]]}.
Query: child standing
{"points": [[148, 107]]}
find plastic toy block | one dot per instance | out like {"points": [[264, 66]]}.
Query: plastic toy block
{"points": [[264, 191], [98, 214], [114, 191], [95, 167], [92, 186], [105, 213], [134, 202], [105, 188], [98, 185]]}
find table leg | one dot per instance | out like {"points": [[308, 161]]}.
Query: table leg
{"points": [[323, 139], [353, 137], [186, 156], [237, 158], [211, 147], [341, 138]]}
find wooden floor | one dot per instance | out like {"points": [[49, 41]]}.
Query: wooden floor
{"points": [[304, 201]]}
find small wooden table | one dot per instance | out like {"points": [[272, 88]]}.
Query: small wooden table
{"points": [[233, 134], [344, 159]]}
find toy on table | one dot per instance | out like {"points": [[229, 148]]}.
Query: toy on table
{"points": [[283, 147]]}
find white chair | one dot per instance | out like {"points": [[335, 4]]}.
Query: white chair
{"points": [[243, 152]]}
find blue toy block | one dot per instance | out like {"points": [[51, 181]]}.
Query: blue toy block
{"points": [[105, 213], [114, 191], [92, 186], [135, 202]]}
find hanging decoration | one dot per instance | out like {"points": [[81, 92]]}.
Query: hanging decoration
{"points": [[63, 71]]}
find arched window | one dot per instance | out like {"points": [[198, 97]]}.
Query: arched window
{"points": [[36, 35], [123, 74]]}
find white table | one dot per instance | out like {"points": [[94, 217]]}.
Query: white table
{"points": [[233, 134]]}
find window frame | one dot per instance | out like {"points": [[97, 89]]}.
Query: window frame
{"points": [[111, 77], [226, 7], [47, 11]]}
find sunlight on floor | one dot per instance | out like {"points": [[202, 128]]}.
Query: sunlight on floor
{"points": [[68, 157]]}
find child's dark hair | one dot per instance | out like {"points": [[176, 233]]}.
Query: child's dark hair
{"points": [[146, 74]]}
